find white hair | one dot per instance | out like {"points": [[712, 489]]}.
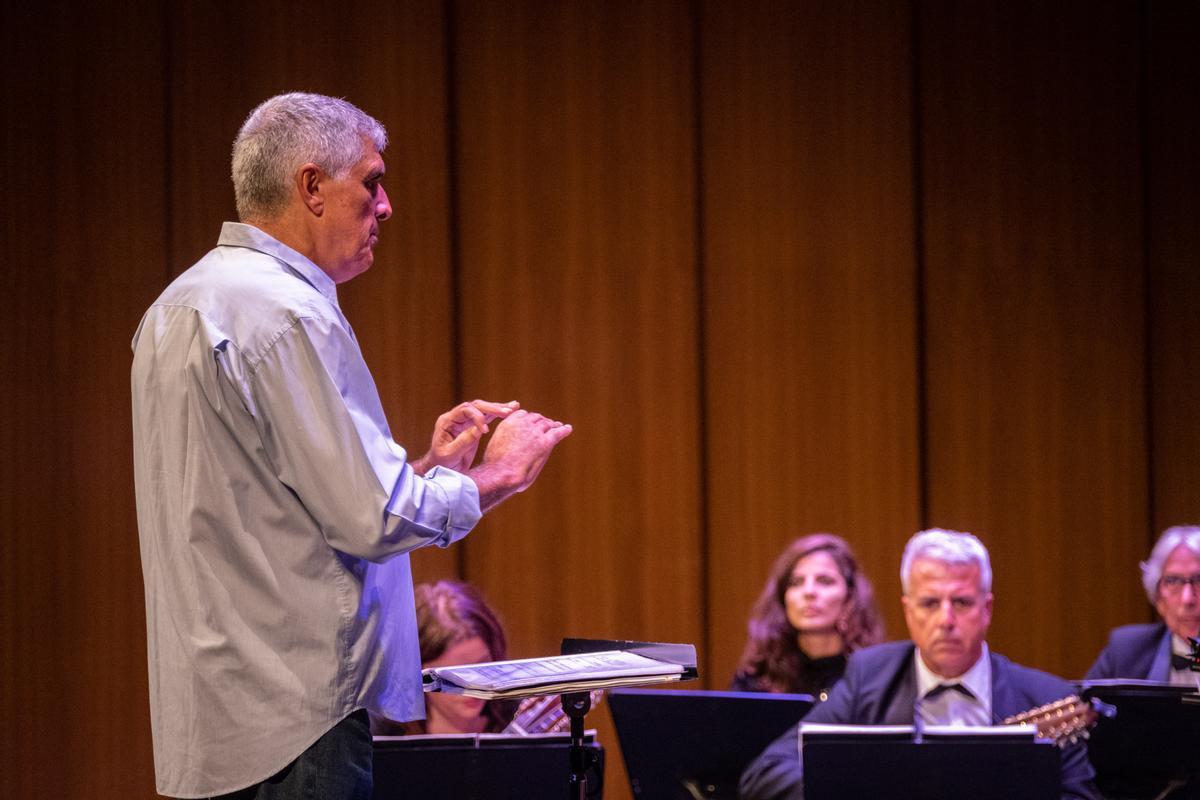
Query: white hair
{"points": [[291, 130], [951, 547], [1152, 567]]}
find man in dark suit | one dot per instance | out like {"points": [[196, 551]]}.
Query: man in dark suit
{"points": [[947, 599], [1158, 651]]}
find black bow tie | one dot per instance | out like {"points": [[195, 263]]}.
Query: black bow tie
{"points": [[944, 687], [1181, 662]]}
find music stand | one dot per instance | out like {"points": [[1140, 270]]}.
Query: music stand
{"points": [[576, 704], [1150, 748], [479, 767], [964, 767], [585, 664], [695, 744]]}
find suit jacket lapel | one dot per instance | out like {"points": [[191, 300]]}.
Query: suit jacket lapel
{"points": [[901, 691], [1160, 667], [1005, 699]]}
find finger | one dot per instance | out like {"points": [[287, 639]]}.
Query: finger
{"points": [[559, 433], [494, 410], [461, 416], [463, 439]]}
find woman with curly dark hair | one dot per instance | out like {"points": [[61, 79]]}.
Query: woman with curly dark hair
{"points": [[816, 609], [455, 626]]}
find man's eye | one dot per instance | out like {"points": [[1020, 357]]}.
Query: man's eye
{"points": [[964, 603]]}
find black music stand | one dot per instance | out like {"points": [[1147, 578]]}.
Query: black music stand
{"points": [[573, 679], [1151, 748], [686, 745], [480, 767], [963, 767], [576, 704]]}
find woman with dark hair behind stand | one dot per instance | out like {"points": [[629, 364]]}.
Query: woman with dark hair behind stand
{"points": [[815, 609], [455, 626]]}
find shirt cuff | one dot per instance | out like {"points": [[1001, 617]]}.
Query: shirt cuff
{"points": [[462, 504]]}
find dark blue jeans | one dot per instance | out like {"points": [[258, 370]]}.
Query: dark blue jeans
{"points": [[336, 767]]}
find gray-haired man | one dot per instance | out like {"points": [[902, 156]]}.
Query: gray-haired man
{"points": [[274, 508], [1161, 651], [946, 673]]}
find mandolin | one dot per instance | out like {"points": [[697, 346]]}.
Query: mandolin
{"points": [[1065, 721], [544, 714]]}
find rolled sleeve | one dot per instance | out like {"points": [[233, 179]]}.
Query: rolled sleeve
{"points": [[459, 509]]}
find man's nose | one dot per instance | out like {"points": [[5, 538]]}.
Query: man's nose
{"points": [[946, 610], [383, 206], [1188, 595]]}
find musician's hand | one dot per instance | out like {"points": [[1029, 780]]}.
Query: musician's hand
{"points": [[457, 433], [516, 454]]}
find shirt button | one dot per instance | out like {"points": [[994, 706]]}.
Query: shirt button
{"points": [[824, 696]]}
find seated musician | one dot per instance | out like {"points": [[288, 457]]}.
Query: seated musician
{"points": [[817, 607], [1159, 651], [946, 671], [455, 626]]}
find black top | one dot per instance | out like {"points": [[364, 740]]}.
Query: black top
{"points": [[815, 676]]}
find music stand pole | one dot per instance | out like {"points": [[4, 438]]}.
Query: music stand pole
{"points": [[576, 705]]}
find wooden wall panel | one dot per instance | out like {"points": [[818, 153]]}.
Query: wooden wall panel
{"points": [[1173, 219], [689, 230], [389, 59], [576, 214], [83, 153], [1035, 311], [810, 290], [576, 210]]}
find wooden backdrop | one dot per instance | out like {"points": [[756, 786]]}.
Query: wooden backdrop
{"points": [[786, 266]]}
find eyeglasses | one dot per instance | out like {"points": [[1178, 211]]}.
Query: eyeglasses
{"points": [[1173, 584]]}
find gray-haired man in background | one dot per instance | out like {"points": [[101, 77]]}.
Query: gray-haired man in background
{"points": [[945, 674], [274, 508]]}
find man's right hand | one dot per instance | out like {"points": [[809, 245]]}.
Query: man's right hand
{"points": [[515, 455]]}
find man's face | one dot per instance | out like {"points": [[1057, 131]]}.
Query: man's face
{"points": [[1177, 601], [947, 615], [354, 207]]}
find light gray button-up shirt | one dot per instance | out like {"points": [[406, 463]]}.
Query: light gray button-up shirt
{"points": [[274, 511]]}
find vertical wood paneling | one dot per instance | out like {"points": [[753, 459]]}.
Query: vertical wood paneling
{"points": [[749, 306], [1173, 201], [83, 151], [387, 58], [810, 316], [578, 298], [576, 204], [1034, 328]]}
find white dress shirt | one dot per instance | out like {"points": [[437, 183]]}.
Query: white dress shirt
{"points": [[953, 707], [274, 510]]}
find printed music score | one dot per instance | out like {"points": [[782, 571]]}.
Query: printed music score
{"points": [[550, 675]]}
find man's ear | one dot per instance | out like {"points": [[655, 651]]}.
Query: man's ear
{"points": [[308, 184]]}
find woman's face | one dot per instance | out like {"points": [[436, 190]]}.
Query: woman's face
{"points": [[453, 713], [816, 594]]}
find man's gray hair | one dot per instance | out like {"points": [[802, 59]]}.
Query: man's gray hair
{"points": [[1152, 567], [291, 130], [951, 547]]}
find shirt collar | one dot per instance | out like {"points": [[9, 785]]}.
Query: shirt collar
{"points": [[978, 678], [239, 234], [1179, 645]]}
